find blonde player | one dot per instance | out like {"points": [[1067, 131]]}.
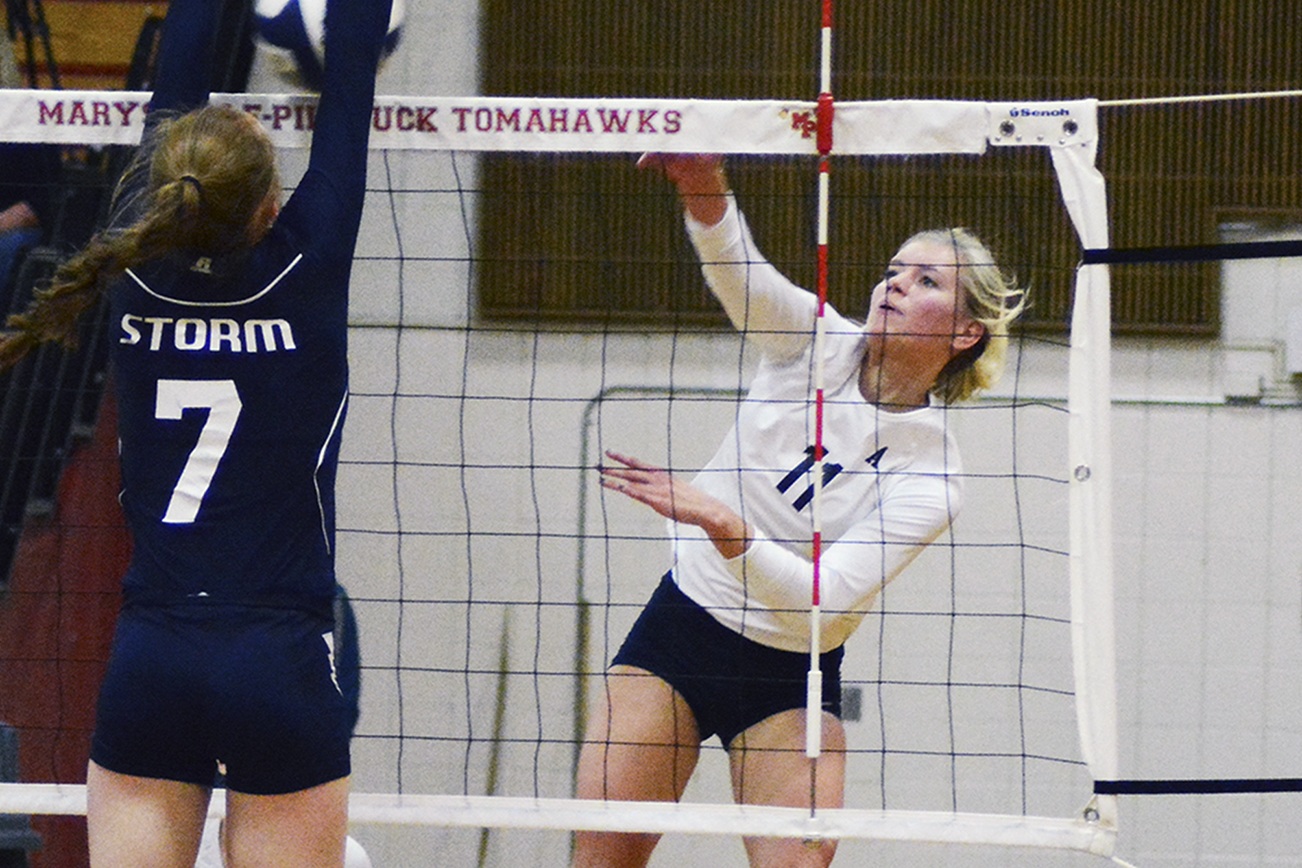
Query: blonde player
{"points": [[723, 646]]}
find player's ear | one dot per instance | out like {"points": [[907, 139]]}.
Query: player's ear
{"points": [[968, 335], [266, 215]]}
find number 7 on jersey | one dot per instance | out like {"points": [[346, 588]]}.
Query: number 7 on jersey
{"points": [[222, 401]]}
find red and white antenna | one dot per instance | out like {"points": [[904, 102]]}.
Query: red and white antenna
{"points": [[823, 120]]}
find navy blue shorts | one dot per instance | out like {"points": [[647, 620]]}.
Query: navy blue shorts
{"points": [[195, 684], [730, 682]]}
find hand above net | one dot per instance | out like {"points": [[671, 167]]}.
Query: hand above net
{"points": [[700, 179]]}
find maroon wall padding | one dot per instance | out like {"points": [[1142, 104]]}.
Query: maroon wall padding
{"points": [[56, 625]]}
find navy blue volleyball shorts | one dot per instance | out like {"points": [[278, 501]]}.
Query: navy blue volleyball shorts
{"points": [[192, 685], [730, 682]]}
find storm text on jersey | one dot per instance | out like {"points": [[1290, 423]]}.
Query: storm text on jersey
{"points": [[213, 335]]}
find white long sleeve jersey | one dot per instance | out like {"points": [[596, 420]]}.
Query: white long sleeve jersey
{"points": [[891, 480]]}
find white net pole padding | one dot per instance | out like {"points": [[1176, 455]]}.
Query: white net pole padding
{"points": [[1068, 129], [1084, 195], [1090, 455]]}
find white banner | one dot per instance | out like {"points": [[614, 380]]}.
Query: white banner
{"points": [[574, 125]]}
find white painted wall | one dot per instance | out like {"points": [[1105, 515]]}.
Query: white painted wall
{"points": [[502, 524]]}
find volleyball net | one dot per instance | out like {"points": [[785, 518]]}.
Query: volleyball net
{"points": [[525, 299]]}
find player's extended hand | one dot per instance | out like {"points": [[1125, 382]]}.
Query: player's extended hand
{"points": [[679, 501], [691, 173], [699, 178]]}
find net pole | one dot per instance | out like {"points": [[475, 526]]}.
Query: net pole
{"points": [[814, 682]]}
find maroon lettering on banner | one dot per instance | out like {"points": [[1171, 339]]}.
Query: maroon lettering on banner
{"points": [[613, 121], [389, 116], [280, 114], [805, 123], [425, 120], [47, 114], [508, 120], [125, 110], [305, 116], [555, 119]]}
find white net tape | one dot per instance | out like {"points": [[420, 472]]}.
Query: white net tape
{"points": [[663, 817], [565, 125]]}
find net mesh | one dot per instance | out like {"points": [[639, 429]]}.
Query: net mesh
{"points": [[520, 305]]}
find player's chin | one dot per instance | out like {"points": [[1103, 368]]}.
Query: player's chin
{"points": [[879, 325]]}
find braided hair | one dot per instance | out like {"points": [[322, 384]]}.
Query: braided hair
{"points": [[206, 176]]}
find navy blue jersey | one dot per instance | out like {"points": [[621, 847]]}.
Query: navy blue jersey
{"points": [[231, 372]]}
